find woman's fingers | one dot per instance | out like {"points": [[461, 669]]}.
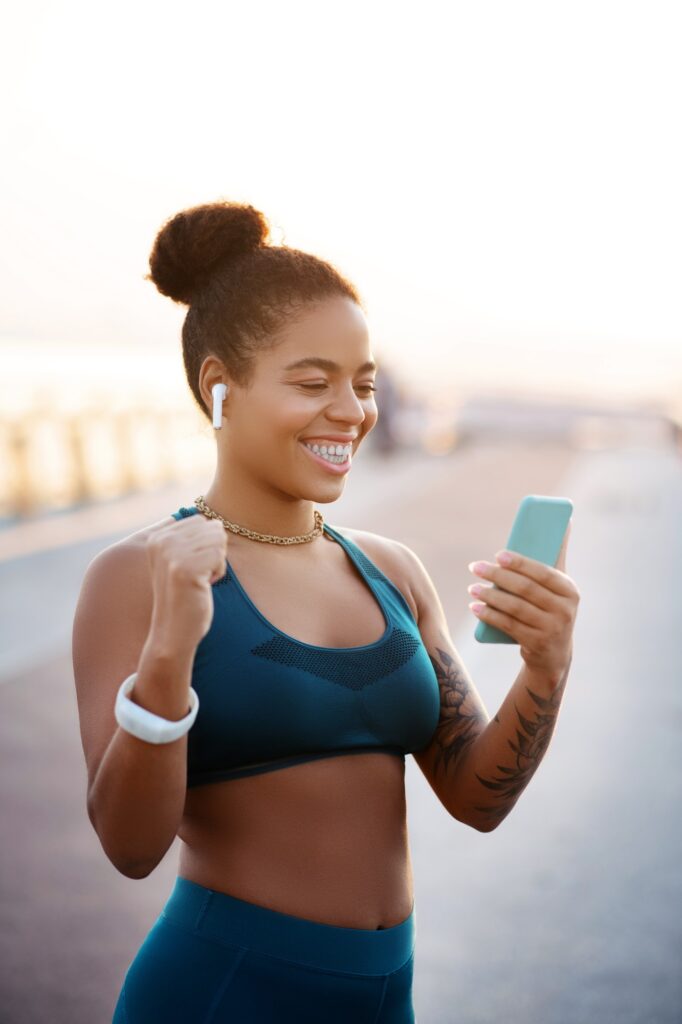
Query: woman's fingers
{"points": [[517, 607]]}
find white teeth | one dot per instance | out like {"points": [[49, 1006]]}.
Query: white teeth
{"points": [[334, 449], [332, 453]]}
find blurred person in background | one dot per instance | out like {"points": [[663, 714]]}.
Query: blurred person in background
{"points": [[386, 435]]}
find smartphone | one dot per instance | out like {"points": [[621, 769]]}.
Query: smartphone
{"points": [[537, 531]]}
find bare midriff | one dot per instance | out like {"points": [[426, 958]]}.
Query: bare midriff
{"points": [[324, 840]]}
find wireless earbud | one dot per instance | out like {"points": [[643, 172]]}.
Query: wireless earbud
{"points": [[218, 391]]}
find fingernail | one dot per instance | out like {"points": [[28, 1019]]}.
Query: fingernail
{"points": [[478, 567], [504, 558]]}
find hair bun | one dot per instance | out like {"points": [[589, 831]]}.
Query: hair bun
{"points": [[193, 243]]}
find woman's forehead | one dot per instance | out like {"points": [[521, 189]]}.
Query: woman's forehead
{"points": [[334, 355], [338, 321]]}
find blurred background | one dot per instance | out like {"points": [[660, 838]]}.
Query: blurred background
{"points": [[502, 184]]}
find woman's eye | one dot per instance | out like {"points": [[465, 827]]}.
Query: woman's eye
{"points": [[368, 388]]}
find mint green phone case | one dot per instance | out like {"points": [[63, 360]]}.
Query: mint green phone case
{"points": [[538, 532]]}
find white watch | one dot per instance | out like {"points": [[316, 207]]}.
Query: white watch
{"points": [[145, 724]]}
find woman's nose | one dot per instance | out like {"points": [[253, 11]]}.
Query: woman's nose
{"points": [[348, 407]]}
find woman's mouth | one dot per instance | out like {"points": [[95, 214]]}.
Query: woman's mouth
{"points": [[333, 463]]}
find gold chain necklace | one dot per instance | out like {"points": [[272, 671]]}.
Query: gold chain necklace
{"points": [[268, 538]]}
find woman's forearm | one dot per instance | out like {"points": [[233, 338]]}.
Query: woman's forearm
{"points": [[137, 798], [500, 763]]}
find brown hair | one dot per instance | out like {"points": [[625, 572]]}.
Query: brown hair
{"points": [[240, 290]]}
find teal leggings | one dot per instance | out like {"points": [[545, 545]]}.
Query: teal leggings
{"points": [[211, 958]]}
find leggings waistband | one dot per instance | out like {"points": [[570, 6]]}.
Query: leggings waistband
{"points": [[219, 916]]}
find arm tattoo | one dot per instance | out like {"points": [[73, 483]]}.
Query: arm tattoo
{"points": [[457, 727], [532, 740]]}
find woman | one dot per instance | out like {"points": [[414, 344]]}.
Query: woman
{"points": [[268, 673]]}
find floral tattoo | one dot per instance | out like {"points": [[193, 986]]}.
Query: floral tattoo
{"points": [[457, 727], [529, 748]]}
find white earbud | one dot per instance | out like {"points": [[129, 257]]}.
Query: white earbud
{"points": [[218, 391]]}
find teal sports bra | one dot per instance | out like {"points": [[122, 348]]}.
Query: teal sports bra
{"points": [[267, 701]]}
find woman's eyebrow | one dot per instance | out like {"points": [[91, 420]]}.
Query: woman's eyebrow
{"points": [[326, 364]]}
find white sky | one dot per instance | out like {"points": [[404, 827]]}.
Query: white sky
{"points": [[500, 180]]}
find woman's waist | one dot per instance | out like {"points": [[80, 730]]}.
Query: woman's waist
{"points": [[354, 880]]}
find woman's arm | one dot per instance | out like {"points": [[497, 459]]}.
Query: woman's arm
{"points": [[478, 767], [135, 790], [495, 768]]}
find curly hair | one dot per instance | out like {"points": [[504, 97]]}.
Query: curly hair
{"points": [[241, 291]]}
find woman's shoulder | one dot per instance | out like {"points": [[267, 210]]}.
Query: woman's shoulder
{"points": [[394, 559], [127, 556]]}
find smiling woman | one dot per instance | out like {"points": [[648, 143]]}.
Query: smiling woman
{"points": [[263, 704], [269, 734]]}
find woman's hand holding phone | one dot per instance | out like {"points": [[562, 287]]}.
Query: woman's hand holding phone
{"points": [[534, 603]]}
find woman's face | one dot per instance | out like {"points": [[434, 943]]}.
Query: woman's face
{"points": [[286, 406]]}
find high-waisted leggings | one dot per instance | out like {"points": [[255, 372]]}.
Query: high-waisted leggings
{"points": [[211, 958]]}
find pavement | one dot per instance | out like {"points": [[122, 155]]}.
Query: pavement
{"points": [[568, 913]]}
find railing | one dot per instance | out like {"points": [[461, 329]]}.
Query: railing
{"points": [[51, 460]]}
